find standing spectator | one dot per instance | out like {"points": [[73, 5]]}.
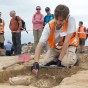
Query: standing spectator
{"points": [[1, 32], [15, 26], [37, 20], [47, 19], [8, 48], [49, 16], [82, 36]]}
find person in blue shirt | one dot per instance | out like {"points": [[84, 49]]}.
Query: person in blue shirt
{"points": [[8, 48], [49, 16]]}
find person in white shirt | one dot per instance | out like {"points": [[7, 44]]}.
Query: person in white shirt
{"points": [[60, 34]]}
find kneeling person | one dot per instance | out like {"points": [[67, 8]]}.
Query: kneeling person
{"points": [[60, 34]]}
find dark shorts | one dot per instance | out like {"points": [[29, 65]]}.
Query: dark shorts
{"points": [[81, 41]]}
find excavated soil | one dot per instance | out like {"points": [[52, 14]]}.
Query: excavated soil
{"points": [[46, 78]]}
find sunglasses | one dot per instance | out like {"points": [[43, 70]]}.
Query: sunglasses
{"points": [[38, 9], [46, 10]]}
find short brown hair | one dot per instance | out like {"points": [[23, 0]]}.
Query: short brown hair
{"points": [[38, 7], [61, 10], [81, 22]]}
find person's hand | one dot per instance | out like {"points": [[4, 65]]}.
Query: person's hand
{"points": [[35, 68], [18, 30], [37, 20], [58, 63]]}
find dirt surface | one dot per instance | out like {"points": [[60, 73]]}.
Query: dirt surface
{"points": [[47, 78]]}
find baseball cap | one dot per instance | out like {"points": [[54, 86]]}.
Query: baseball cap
{"points": [[47, 9]]}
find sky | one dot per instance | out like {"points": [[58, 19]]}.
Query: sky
{"points": [[26, 8]]}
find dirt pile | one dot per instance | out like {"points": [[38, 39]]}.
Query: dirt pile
{"points": [[79, 80], [47, 78]]}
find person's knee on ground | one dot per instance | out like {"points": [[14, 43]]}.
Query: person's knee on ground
{"points": [[70, 58]]}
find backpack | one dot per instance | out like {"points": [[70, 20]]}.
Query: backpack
{"points": [[23, 24]]}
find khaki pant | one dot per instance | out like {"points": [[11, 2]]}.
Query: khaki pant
{"points": [[1, 38], [69, 59], [37, 35]]}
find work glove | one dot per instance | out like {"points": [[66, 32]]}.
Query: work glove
{"points": [[58, 63], [51, 63], [35, 66]]}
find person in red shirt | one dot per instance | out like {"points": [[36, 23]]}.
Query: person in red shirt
{"points": [[15, 27]]}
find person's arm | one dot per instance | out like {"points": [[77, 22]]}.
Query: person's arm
{"points": [[41, 20], [85, 30], [3, 23], [33, 19], [44, 21], [10, 25], [78, 31], [38, 51], [70, 30], [65, 46], [43, 39]]}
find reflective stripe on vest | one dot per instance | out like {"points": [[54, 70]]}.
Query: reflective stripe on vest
{"points": [[2, 27], [82, 33], [73, 40]]}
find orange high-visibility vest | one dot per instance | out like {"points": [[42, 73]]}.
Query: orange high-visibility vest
{"points": [[82, 33], [51, 40], [2, 27]]}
